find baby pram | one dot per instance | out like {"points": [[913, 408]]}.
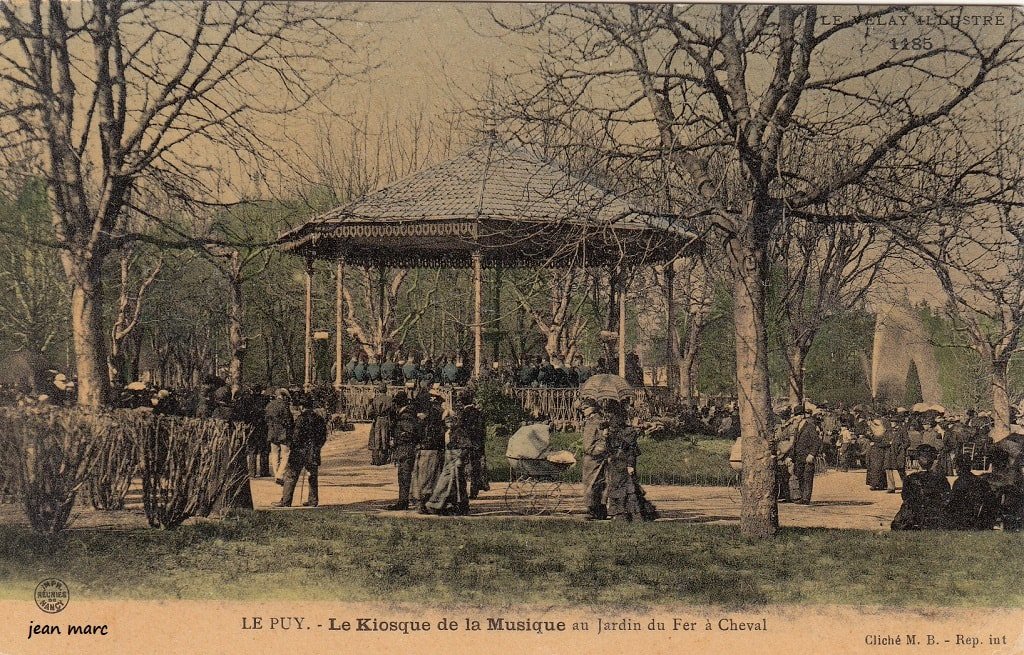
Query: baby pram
{"points": [[538, 482]]}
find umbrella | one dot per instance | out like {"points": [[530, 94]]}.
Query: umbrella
{"points": [[605, 386]]}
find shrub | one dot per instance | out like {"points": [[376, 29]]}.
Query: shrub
{"points": [[117, 457], [48, 455], [498, 408], [186, 466]]}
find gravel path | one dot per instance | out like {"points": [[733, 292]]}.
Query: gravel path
{"points": [[348, 481]]}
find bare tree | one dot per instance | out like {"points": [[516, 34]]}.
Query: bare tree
{"points": [[975, 247], [131, 294], [695, 278], [114, 92], [824, 271], [389, 307], [557, 316], [719, 92]]}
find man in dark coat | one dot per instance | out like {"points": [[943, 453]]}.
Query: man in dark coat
{"points": [[308, 438], [469, 435], [249, 410], [387, 369], [971, 501], [634, 370], [462, 368], [403, 454], [925, 495], [382, 413], [411, 370], [280, 423], [1006, 483], [373, 371], [806, 446]]}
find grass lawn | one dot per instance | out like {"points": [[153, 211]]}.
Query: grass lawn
{"points": [[673, 461], [328, 555]]}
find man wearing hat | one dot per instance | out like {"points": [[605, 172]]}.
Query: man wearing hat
{"points": [[806, 447], [430, 450], [403, 454], [470, 434], [308, 438], [972, 504], [925, 495], [279, 430]]}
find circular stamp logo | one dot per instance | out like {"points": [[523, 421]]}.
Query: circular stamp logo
{"points": [[52, 595]]}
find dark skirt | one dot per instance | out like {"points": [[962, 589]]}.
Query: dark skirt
{"points": [[876, 467]]}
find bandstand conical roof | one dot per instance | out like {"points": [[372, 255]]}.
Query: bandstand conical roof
{"points": [[511, 206]]}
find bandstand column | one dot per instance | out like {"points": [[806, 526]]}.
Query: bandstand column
{"points": [[307, 376], [477, 320], [339, 322]]}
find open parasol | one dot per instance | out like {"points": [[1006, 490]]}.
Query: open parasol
{"points": [[605, 386]]}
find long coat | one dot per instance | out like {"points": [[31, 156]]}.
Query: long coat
{"points": [[595, 460], [382, 409], [279, 421], [308, 437], [896, 455]]}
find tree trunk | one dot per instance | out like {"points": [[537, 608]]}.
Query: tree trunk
{"points": [[673, 358], [88, 335], [759, 512], [796, 359], [688, 360], [235, 335], [1000, 400]]}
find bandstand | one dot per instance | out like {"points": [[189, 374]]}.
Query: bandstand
{"points": [[494, 206]]}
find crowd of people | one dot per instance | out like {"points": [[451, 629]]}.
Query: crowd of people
{"points": [[454, 369], [886, 444], [438, 449], [439, 453]]}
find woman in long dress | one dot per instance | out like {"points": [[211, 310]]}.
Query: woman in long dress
{"points": [[876, 454], [626, 498], [895, 455]]}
